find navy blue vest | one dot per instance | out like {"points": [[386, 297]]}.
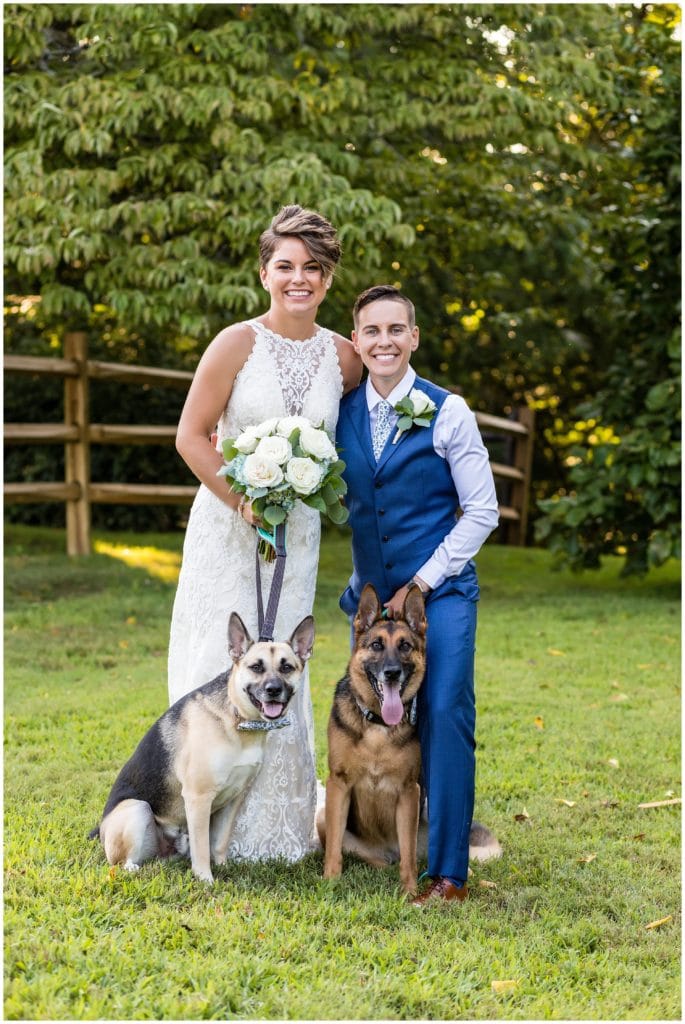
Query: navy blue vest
{"points": [[400, 508]]}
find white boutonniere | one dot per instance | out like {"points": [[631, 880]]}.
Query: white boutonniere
{"points": [[415, 409]]}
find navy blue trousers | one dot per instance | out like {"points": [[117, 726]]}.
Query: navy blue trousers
{"points": [[447, 722]]}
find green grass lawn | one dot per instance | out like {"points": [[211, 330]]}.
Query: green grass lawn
{"points": [[579, 723]]}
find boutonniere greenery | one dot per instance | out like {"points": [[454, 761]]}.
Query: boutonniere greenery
{"points": [[415, 410]]}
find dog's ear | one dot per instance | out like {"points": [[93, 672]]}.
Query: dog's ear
{"points": [[414, 610], [369, 610], [238, 637], [302, 640]]}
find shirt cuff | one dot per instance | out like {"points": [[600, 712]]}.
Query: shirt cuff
{"points": [[431, 573]]}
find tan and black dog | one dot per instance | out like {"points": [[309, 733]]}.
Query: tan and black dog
{"points": [[185, 782], [374, 757]]}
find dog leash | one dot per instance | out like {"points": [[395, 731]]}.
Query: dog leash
{"points": [[266, 624]]}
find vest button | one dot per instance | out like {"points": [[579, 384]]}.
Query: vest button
{"points": [[388, 565], [385, 540], [381, 511], [378, 485]]}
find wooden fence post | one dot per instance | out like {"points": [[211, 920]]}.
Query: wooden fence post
{"points": [[523, 461], [77, 453]]}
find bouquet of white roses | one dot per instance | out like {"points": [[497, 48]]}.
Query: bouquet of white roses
{"points": [[280, 461]]}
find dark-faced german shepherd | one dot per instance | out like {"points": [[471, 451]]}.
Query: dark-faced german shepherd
{"points": [[185, 782], [374, 757]]}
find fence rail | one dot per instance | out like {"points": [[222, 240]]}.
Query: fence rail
{"points": [[77, 434]]}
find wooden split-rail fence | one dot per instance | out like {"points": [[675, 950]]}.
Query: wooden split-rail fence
{"points": [[77, 434]]}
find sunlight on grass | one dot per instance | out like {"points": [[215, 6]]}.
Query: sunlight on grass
{"points": [[164, 565]]}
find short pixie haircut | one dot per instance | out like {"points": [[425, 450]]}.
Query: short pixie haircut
{"points": [[383, 291], [314, 231]]}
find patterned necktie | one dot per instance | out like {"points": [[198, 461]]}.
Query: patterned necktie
{"points": [[382, 428]]}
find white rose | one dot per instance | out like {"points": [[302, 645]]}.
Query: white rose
{"points": [[421, 402], [265, 428], [276, 448], [317, 443], [247, 441], [261, 472], [286, 426], [303, 475]]}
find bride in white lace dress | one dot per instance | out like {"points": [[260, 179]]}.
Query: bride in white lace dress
{"points": [[279, 364]]}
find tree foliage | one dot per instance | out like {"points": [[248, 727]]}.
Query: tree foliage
{"points": [[514, 167]]}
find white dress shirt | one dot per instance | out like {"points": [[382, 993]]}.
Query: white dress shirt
{"points": [[456, 438]]}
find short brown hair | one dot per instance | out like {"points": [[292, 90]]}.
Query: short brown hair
{"points": [[383, 291], [316, 233]]}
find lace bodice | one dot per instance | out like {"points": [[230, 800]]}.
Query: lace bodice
{"points": [[282, 377]]}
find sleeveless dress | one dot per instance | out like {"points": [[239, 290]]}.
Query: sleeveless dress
{"points": [[280, 377]]}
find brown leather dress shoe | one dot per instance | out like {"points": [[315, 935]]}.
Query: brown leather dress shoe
{"points": [[441, 889]]}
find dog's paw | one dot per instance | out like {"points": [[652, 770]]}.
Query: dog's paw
{"points": [[409, 885], [131, 866], [204, 876]]}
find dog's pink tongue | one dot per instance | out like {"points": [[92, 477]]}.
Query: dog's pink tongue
{"points": [[272, 710], [392, 708]]}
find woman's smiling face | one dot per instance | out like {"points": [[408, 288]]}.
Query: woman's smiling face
{"points": [[294, 279]]}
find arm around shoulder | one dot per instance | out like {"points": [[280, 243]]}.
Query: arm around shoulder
{"points": [[349, 362]]}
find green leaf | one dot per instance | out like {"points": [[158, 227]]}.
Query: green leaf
{"points": [[337, 513], [338, 485], [329, 494], [274, 515], [315, 501], [405, 406], [659, 395]]}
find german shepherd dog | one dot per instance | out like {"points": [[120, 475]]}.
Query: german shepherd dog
{"points": [[185, 782], [374, 757]]}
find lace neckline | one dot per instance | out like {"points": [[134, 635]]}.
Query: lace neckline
{"points": [[261, 328]]}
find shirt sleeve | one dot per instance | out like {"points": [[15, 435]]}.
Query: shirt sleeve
{"points": [[456, 437]]}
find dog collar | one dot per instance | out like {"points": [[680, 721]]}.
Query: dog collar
{"points": [[245, 725], [250, 725], [371, 716]]}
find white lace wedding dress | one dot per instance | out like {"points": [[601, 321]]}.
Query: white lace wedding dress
{"points": [[280, 378]]}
